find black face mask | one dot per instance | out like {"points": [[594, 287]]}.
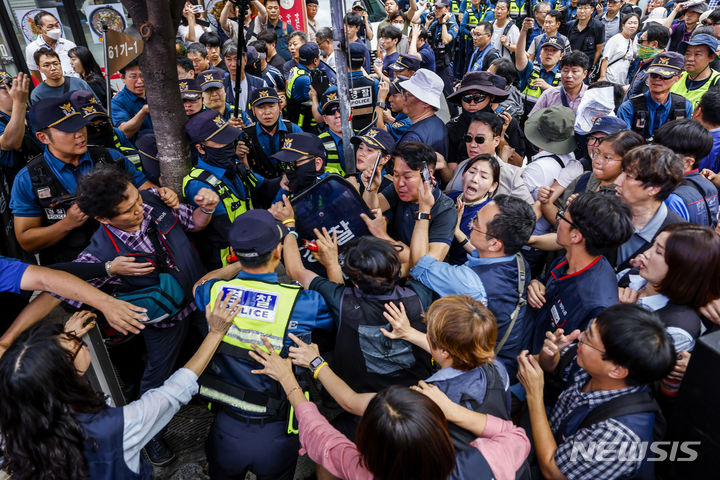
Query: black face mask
{"points": [[100, 134], [302, 177], [223, 157]]}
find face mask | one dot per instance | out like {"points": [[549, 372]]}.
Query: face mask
{"points": [[645, 53], [54, 34], [100, 134], [223, 157], [302, 177]]}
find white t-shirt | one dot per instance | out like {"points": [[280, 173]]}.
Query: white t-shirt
{"points": [[62, 46], [621, 51], [512, 36], [184, 29]]}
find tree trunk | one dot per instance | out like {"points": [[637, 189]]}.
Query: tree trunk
{"points": [[157, 22]]}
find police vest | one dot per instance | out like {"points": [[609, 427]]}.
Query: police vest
{"points": [[363, 98], [641, 114], [455, 6], [54, 200], [299, 112], [259, 159], [104, 446], [467, 390], [333, 164], [700, 198], [681, 88], [265, 311], [129, 153], [533, 93], [366, 359], [234, 206], [515, 9], [188, 269]]}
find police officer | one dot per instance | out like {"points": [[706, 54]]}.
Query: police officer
{"points": [[391, 102], [535, 78], [303, 160], [46, 218], [647, 112], [332, 136], [253, 433], [265, 137], [363, 89], [191, 96], [213, 94], [219, 169], [698, 77], [298, 88], [443, 29], [100, 132]]}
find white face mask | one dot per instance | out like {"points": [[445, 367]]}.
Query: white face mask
{"points": [[54, 34]]}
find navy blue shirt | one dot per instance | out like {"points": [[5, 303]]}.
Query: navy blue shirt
{"points": [[430, 131], [398, 128], [11, 272], [271, 144], [572, 300], [387, 61], [23, 200], [428, 57], [125, 105], [10, 158]]}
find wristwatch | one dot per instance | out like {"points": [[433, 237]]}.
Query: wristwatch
{"points": [[381, 105], [422, 216], [316, 362]]}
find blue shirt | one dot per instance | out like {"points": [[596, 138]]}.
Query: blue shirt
{"points": [[23, 200], [283, 31], [572, 300], [309, 313], [430, 131], [301, 85], [457, 254], [465, 29], [11, 272], [427, 57], [548, 76], [44, 90], [712, 161], [367, 64], [233, 183], [271, 144], [639, 237], [339, 144], [446, 279], [387, 61], [10, 158], [398, 128], [125, 105], [625, 112]]}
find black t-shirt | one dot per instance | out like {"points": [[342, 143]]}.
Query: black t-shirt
{"points": [[443, 217], [586, 41]]}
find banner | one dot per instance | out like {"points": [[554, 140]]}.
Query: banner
{"points": [[332, 203], [26, 21], [122, 49], [294, 13], [112, 14]]}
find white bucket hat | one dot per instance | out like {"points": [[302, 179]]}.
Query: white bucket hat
{"points": [[426, 86]]}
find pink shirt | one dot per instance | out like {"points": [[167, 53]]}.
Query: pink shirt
{"points": [[503, 445]]}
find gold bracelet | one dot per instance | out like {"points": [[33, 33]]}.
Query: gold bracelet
{"points": [[317, 370], [297, 387], [288, 220]]}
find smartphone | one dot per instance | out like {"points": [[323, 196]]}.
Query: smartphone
{"points": [[426, 175], [374, 172], [197, 9]]}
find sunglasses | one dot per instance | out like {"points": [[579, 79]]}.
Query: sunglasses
{"points": [[656, 76], [474, 97], [292, 166], [477, 138]]}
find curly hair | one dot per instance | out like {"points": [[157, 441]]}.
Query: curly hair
{"points": [[373, 265], [101, 191], [42, 438]]}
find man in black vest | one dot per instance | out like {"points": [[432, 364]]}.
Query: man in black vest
{"points": [[363, 89], [143, 225], [46, 218]]}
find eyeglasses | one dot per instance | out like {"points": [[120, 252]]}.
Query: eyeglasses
{"points": [[596, 155], [656, 76], [582, 341], [592, 141], [474, 223], [560, 215], [292, 166], [51, 65], [474, 97], [478, 34], [479, 139]]}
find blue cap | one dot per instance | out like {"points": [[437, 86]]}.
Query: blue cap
{"points": [[298, 145], [56, 113], [357, 53], [375, 138], [263, 95], [700, 39], [5, 79], [255, 233], [554, 41], [358, 4], [405, 62], [85, 102], [308, 53], [209, 125], [329, 101], [667, 64], [608, 124], [189, 89], [211, 79]]}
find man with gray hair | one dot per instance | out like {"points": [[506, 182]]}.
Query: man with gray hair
{"points": [[324, 39], [248, 82]]}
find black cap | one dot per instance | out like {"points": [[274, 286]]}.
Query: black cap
{"points": [[209, 125], [211, 79], [5, 79], [375, 138], [308, 53], [56, 113], [405, 62], [357, 53], [298, 145], [358, 4], [329, 101], [255, 233], [312, 1], [263, 95], [253, 55], [395, 85], [189, 89], [85, 102], [554, 41]]}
